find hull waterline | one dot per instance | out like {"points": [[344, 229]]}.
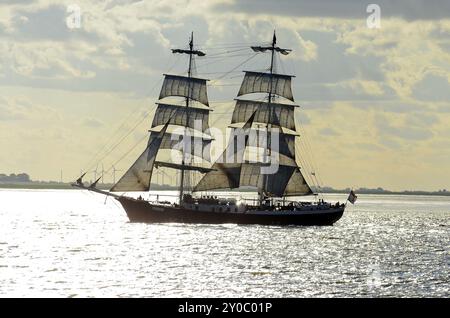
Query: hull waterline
{"points": [[142, 211]]}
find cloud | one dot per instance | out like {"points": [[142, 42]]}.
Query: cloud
{"points": [[411, 54], [127, 38], [9, 111], [43, 24], [328, 132], [304, 118], [443, 107], [369, 87], [384, 90], [403, 130], [372, 147], [20, 108], [415, 119], [355, 89], [92, 122], [305, 49], [347, 9], [433, 88], [391, 106]]}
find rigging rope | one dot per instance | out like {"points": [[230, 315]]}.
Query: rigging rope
{"points": [[126, 154], [215, 58], [107, 147], [125, 136], [239, 65], [226, 52], [231, 45]]}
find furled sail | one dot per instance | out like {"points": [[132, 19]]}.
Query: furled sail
{"points": [[282, 114], [181, 166], [265, 48], [178, 115], [199, 146], [138, 177], [194, 88], [256, 82], [225, 173], [196, 52]]}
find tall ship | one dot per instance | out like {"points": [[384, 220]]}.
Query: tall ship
{"points": [[260, 155]]}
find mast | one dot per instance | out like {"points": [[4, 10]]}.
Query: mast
{"points": [[190, 52], [274, 41], [138, 176], [268, 125], [183, 162], [289, 180]]}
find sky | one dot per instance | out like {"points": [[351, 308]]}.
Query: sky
{"points": [[374, 102]]}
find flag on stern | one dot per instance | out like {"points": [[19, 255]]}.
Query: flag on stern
{"points": [[352, 197]]}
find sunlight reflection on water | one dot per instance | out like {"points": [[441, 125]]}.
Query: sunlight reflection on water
{"points": [[70, 244]]}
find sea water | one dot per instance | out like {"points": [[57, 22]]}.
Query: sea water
{"points": [[70, 243]]}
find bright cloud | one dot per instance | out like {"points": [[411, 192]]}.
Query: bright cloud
{"points": [[375, 97]]}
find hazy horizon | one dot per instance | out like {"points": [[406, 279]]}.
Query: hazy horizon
{"points": [[158, 181], [375, 102]]}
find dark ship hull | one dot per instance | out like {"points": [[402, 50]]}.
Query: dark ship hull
{"points": [[142, 211]]}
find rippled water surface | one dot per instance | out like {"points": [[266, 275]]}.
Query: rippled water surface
{"points": [[73, 244]]}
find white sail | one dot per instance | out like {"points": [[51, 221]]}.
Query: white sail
{"points": [[242, 174], [282, 145], [225, 173], [178, 115], [256, 82], [138, 177], [281, 115], [250, 175], [285, 145], [287, 181], [194, 88], [224, 176], [193, 145], [271, 184], [297, 185]]}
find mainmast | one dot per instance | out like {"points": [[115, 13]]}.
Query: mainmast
{"points": [[274, 41], [268, 125], [288, 180]]}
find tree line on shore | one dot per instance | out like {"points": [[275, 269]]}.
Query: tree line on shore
{"points": [[13, 178]]}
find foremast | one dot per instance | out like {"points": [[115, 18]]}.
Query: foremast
{"points": [[190, 52], [187, 117]]}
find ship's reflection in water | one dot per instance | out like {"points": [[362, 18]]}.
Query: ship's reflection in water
{"points": [[69, 243]]}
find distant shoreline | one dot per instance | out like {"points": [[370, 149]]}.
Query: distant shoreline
{"points": [[156, 187]]}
